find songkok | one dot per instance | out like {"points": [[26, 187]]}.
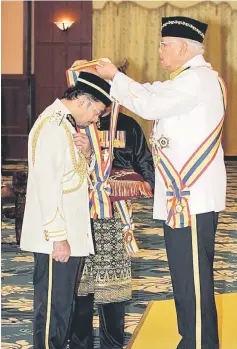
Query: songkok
{"points": [[96, 86], [183, 27]]}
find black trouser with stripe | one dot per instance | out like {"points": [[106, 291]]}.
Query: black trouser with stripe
{"points": [[111, 319], [55, 285], [181, 250]]}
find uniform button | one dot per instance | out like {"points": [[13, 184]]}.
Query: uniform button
{"points": [[46, 235]]}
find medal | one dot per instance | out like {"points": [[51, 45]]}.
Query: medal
{"points": [[128, 237], [163, 142], [178, 208]]}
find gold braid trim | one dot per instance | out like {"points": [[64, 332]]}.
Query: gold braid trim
{"points": [[57, 212], [58, 232], [68, 173], [196, 276], [79, 167], [35, 138], [71, 176], [48, 314]]}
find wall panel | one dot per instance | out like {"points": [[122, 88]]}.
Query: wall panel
{"points": [[56, 50], [14, 117]]}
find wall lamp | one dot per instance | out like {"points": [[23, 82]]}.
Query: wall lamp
{"points": [[64, 24]]}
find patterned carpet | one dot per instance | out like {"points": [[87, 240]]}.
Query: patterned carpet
{"points": [[151, 279]]}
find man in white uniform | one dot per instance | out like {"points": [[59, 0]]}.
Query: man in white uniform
{"points": [[56, 224], [188, 113]]}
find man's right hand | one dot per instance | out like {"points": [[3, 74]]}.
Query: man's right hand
{"points": [[106, 70], [61, 251]]}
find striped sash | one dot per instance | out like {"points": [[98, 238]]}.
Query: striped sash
{"points": [[178, 184], [72, 76], [100, 205]]}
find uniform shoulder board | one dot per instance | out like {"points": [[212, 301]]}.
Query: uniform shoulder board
{"points": [[56, 118]]}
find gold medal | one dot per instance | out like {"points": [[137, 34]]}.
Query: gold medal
{"points": [[163, 142], [128, 237], [178, 208]]}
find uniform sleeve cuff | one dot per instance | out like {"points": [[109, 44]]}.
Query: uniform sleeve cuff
{"points": [[58, 235]]}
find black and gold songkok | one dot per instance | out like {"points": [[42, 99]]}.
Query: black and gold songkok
{"points": [[94, 85], [183, 27]]}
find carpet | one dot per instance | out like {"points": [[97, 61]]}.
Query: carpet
{"points": [[151, 279]]}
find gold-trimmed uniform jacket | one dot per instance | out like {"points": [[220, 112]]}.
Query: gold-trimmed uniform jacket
{"points": [[57, 202], [185, 110]]}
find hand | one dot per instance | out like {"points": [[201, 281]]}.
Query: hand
{"points": [[78, 62], [61, 251], [106, 70], [82, 143]]}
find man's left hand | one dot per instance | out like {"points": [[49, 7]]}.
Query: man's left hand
{"points": [[78, 63], [83, 144], [106, 70]]}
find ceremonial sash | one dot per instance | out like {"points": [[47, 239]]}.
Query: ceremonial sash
{"points": [[178, 184], [100, 204]]}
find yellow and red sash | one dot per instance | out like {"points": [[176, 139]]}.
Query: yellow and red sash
{"points": [[100, 205], [178, 184]]}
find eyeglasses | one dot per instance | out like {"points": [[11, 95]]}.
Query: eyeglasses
{"points": [[98, 112], [166, 43]]}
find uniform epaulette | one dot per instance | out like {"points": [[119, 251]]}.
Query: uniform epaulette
{"points": [[57, 117], [72, 121]]}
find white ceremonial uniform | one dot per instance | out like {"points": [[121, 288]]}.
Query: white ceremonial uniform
{"points": [[57, 202], [188, 109]]}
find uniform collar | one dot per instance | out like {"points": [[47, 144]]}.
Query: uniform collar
{"points": [[196, 61], [58, 105]]}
